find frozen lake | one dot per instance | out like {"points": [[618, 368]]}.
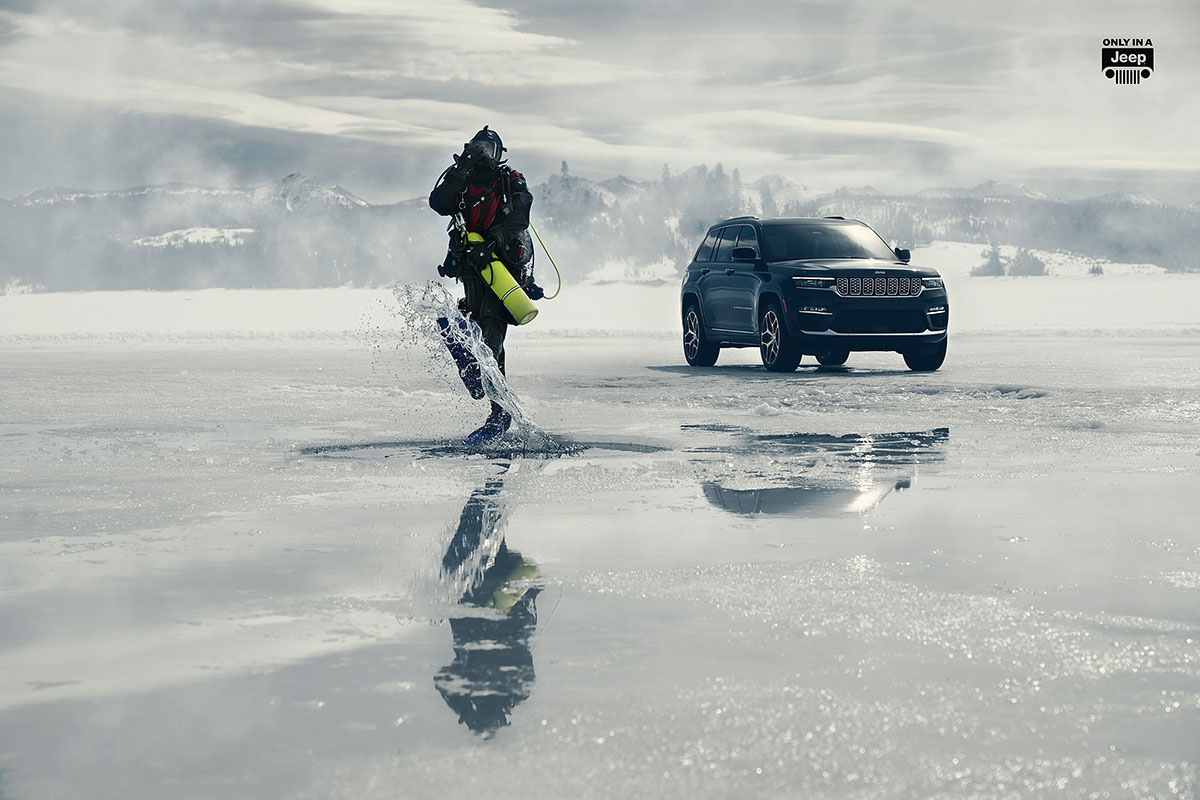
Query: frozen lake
{"points": [[248, 567]]}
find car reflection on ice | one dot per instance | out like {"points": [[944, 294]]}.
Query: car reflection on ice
{"points": [[869, 467], [492, 670]]}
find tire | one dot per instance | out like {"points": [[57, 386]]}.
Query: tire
{"points": [[926, 358], [698, 350], [778, 351], [833, 358]]}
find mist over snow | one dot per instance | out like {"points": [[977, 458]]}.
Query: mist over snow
{"points": [[296, 232], [1004, 105]]}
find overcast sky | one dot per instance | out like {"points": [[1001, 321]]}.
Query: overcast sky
{"points": [[375, 94]]}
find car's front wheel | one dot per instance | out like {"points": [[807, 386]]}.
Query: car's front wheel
{"points": [[698, 351], [779, 353], [926, 357]]}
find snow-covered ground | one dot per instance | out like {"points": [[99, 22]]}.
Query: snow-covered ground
{"points": [[1126, 298], [956, 260], [227, 237], [225, 519]]}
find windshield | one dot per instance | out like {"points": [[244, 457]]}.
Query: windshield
{"points": [[823, 240]]}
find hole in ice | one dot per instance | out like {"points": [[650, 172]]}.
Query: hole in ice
{"points": [[547, 447]]}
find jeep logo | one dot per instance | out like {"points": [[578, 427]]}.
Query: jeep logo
{"points": [[1127, 61]]}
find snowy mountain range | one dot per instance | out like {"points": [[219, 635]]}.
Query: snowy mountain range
{"points": [[297, 232]]}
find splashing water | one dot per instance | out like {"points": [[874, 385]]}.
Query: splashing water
{"points": [[419, 307]]}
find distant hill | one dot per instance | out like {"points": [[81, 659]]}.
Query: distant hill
{"points": [[297, 232]]}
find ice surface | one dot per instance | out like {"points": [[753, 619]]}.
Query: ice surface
{"points": [[239, 558], [1121, 301]]}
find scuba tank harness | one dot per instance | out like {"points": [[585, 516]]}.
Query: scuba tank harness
{"points": [[501, 281]]}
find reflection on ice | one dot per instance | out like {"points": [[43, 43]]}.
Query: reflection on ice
{"points": [[804, 501], [866, 469], [492, 669]]}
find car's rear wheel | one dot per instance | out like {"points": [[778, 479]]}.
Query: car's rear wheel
{"points": [[779, 353], [698, 351], [926, 357], [833, 358]]}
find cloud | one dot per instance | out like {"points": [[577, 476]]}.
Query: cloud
{"points": [[826, 91]]}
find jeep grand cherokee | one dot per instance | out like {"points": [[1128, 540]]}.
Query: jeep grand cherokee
{"points": [[809, 286]]}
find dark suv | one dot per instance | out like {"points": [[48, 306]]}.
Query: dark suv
{"points": [[820, 287]]}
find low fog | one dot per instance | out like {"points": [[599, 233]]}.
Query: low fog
{"points": [[297, 233], [708, 111]]}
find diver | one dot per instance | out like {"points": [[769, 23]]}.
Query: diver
{"points": [[492, 669], [492, 200]]}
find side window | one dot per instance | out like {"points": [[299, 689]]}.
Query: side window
{"points": [[725, 247], [706, 247], [748, 238], [777, 247]]}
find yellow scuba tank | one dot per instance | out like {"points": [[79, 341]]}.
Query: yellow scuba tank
{"points": [[497, 276], [507, 596]]}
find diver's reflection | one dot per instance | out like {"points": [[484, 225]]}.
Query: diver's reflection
{"points": [[492, 669]]}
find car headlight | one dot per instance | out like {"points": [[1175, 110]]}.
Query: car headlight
{"points": [[814, 283], [932, 283]]}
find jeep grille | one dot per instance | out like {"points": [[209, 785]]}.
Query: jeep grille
{"points": [[879, 287]]}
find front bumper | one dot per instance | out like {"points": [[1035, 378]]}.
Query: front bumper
{"points": [[823, 320]]}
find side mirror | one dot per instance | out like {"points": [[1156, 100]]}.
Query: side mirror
{"points": [[903, 254], [745, 254]]}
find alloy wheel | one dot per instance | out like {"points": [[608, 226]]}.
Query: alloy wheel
{"points": [[770, 336], [691, 334]]}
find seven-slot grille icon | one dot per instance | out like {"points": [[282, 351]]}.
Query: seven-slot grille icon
{"points": [[879, 287]]}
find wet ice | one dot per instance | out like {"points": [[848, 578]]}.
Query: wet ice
{"points": [[274, 576]]}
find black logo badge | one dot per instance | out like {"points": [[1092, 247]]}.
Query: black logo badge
{"points": [[1127, 61]]}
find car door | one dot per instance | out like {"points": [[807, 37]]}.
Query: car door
{"points": [[714, 285], [741, 285], [701, 268]]}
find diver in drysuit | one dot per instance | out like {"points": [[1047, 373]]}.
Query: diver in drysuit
{"points": [[492, 669], [494, 201]]}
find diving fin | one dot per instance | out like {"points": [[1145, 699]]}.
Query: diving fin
{"points": [[468, 365], [498, 422]]}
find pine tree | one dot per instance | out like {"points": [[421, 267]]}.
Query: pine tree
{"points": [[994, 264], [769, 209], [1026, 263]]}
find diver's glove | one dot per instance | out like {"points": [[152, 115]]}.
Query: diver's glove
{"points": [[480, 255], [472, 156], [534, 291], [465, 161]]}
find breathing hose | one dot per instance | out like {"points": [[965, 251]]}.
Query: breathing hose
{"points": [[547, 252]]}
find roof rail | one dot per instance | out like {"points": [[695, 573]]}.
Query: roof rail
{"points": [[743, 216], [835, 216]]}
